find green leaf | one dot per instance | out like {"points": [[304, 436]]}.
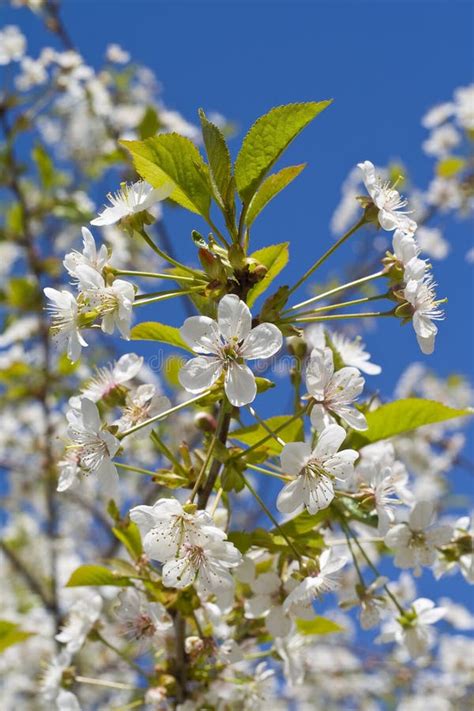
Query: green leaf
{"points": [[275, 258], [219, 159], [11, 633], [302, 524], [318, 625], [149, 124], [45, 166], [270, 135], [292, 432], [450, 166], [130, 537], [96, 575], [402, 416], [154, 331], [173, 158], [270, 187]]}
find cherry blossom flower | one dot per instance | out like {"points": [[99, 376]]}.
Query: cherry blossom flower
{"points": [[333, 392], [352, 352], [432, 242], [12, 45], [422, 297], [326, 580], [413, 630], [388, 200], [89, 255], [93, 447], [379, 485], [315, 471], [51, 684], [224, 345], [141, 405], [82, 616], [130, 200], [114, 303], [370, 601], [108, 378], [415, 542], [141, 621], [65, 328]]}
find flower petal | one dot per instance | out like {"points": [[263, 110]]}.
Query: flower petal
{"points": [[200, 373], [201, 333], [234, 318], [240, 385], [263, 341], [294, 456]]}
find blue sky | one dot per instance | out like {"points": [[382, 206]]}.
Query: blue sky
{"points": [[384, 64]]}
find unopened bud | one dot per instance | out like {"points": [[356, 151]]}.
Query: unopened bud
{"points": [[205, 422]]}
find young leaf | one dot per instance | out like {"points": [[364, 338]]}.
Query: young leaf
{"points": [[292, 432], [275, 258], [270, 187], [318, 625], [154, 331], [44, 164], [130, 537], [270, 135], [219, 159], [402, 416], [11, 633], [173, 158], [96, 575]]}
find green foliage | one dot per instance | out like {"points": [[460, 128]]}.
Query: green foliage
{"points": [[270, 187], [292, 432], [22, 293], [450, 167], [220, 166], [129, 535], [11, 633], [149, 124], [318, 625], [270, 135], [173, 158], [274, 258], [154, 331], [403, 416], [96, 575], [45, 166]]}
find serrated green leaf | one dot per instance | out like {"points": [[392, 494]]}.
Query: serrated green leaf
{"points": [[275, 258], [155, 331], [11, 633], [220, 166], [130, 537], [403, 416], [173, 158], [318, 625], [96, 575], [270, 135], [270, 187], [292, 432]]}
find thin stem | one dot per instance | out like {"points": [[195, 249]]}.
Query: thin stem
{"points": [[162, 415], [264, 508], [181, 670], [131, 468], [311, 319], [164, 449], [162, 254], [256, 468], [265, 426], [258, 444], [343, 287], [344, 304], [202, 472], [151, 275], [163, 295], [216, 502], [327, 254], [218, 233], [222, 431], [356, 564], [106, 683]]}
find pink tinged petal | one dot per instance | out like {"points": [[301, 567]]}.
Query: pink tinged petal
{"points": [[352, 417], [317, 493], [240, 386], [277, 622], [234, 318], [329, 442], [200, 373], [290, 498], [201, 333], [294, 457], [421, 515], [90, 415], [263, 341], [178, 573]]}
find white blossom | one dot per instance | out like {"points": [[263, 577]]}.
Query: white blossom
{"points": [[131, 200], [413, 631], [141, 621], [81, 617], [315, 471], [12, 44], [388, 200], [115, 54], [65, 327], [422, 297], [441, 141], [333, 392], [89, 256], [415, 542], [108, 378], [326, 580], [224, 345], [141, 405], [114, 303], [432, 242]]}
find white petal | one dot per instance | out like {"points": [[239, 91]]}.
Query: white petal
{"points": [[319, 372], [317, 494], [263, 341], [294, 456], [234, 318], [178, 573], [329, 441], [108, 479], [90, 415], [421, 515], [200, 373], [277, 623], [353, 417], [290, 498], [201, 333], [320, 418], [240, 385]]}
